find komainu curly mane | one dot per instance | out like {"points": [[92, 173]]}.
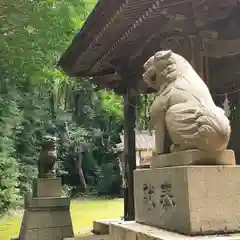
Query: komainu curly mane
{"points": [[184, 104]]}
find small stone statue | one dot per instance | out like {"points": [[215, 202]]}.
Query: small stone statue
{"points": [[184, 106], [47, 158]]}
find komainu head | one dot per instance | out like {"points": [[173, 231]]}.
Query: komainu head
{"points": [[49, 143], [164, 66]]}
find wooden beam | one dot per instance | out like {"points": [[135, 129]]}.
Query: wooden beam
{"points": [[221, 48], [130, 101], [198, 60]]}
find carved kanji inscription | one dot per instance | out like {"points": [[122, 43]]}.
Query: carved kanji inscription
{"points": [[166, 197], [149, 196]]}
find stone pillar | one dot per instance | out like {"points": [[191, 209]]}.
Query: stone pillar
{"points": [[47, 211]]}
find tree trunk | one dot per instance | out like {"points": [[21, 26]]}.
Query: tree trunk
{"points": [[80, 172]]}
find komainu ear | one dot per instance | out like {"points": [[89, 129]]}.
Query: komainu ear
{"points": [[161, 55], [162, 59]]}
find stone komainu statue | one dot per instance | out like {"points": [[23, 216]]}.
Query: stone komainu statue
{"points": [[183, 105], [47, 158]]}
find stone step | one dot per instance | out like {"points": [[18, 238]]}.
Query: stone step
{"points": [[133, 230], [102, 226], [90, 237]]}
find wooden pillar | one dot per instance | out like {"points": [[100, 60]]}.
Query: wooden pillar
{"points": [[130, 101], [196, 54], [199, 56], [130, 83]]}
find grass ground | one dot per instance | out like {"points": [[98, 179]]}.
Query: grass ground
{"points": [[83, 212]]}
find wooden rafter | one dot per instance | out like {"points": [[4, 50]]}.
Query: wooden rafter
{"points": [[155, 11], [118, 23], [88, 32], [129, 19], [135, 29]]}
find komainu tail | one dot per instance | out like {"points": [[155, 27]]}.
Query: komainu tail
{"points": [[215, 128]]}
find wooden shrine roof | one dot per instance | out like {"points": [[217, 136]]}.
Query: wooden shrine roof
{"points": [[120, 32]]}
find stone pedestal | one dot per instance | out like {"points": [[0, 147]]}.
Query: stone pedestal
{"points": [[192, 200], [47, 187], [193, 157], [47, 213]]}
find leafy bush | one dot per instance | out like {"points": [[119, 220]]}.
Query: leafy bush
{"points": [[35, 95], [109, 180], [8, 182], [33, 36]]}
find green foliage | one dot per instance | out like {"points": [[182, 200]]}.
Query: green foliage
{"points": [[112, 104], [35, 96], [96, 131], [143, 110], [33, 36], [9, 121], [8, 182], [109, 180]]}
